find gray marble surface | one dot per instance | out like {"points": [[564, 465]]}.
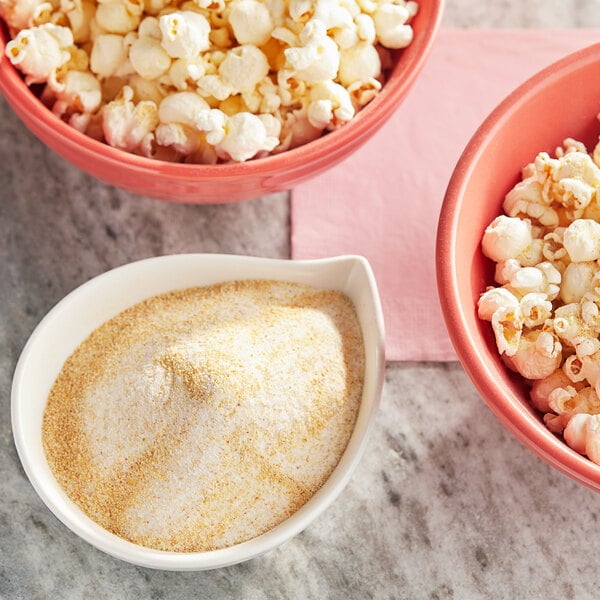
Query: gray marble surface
{"points": [[445, 503]]}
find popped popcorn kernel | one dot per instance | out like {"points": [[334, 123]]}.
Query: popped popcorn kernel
{"points": [[40, 51], [582, 240], [79, 92], [184, 34], [182, 107], [577, 280], [543, 387], [359, 63], [23, 14], [148, 57], [251, 22], [391, 25], [330, 105], [242, 136], [537, 355], [109, 56], [507, 325], [184, 73], [117, 16], [317, 58], [127, 125], [243, 68], [506, 237]]}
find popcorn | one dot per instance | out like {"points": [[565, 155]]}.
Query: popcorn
{"points": [[583, 435], [143, 89], [553, 248], [80, 14], [299, 8], [365, 29], [149, 26], [332, 14], [251, 22], [330, 105], [213, 85], [569, 325], [590, 305], [543, 387], [493, 299], [185, 73], [184, 33], [577, 280], [535, 308], [40, 51], [506, 237], [575, 432], [391, 25], [119, 16], [527, 199], [130, 126], [582, 240], [216, 5], [584, 368], [570, 401], [148, 57], [359, 63], [542, 278], [109, 56], [241, 136], [317, 58], [297, 130], [79, 92], [507, 324], [577, 178], [182, 107], [243, 68], [545, 314], [178, 114], [183, 140], [271, 74], [538, 355], [21, 14]]}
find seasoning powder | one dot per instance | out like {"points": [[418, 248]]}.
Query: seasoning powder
{"points": [[202, 418]]}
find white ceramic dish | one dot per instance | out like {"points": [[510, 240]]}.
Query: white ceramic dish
{"points": [[101, 298]]}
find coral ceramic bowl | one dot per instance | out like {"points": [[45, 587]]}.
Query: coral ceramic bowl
{"points": [[84, 309], [231, 182], [559, 102]]}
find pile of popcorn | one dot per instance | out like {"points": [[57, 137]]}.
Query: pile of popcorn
{"points": [[206, 81], [545, 311]]}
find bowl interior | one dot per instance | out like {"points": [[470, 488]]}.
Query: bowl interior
{"points": [[79, 313], [561, 101], [230, 182]]}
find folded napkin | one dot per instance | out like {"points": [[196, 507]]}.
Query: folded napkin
{"points": [[383, 201]]}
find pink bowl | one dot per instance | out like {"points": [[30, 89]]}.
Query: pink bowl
{"points": [[559, 102], [231, 182]]}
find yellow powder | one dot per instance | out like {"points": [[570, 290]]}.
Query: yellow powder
{"points": [[202, 418]]}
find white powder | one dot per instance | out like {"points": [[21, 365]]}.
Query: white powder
{"points": [[202, 418]]}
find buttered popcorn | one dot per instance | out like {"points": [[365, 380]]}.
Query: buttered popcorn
{"points": [[545, 309], [207, 81]]}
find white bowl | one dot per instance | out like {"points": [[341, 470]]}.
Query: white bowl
{"points": [[98, 300]]}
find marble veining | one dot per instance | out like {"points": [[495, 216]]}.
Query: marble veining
{"points": [[445, 503]]}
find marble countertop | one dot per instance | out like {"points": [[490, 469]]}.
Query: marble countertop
{"points": [[445, 503]]}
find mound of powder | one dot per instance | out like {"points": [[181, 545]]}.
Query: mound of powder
{"points": [[201, 418]]}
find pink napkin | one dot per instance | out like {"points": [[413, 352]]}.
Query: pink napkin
{"points": [[383, 201]]}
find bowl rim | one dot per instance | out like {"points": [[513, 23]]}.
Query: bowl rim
{"points": [[365, 122], [276, 269], [524, 426]]}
